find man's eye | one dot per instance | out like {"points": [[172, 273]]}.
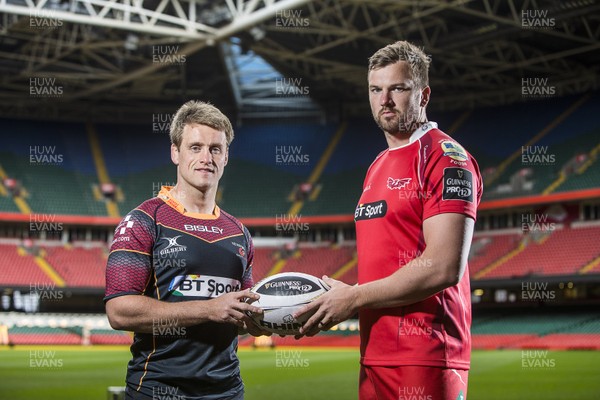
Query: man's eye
{"points": [[215, 150]]}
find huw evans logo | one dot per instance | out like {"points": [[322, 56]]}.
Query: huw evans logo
{"points": [[413, 393], [167, 393], [414, 327], [44, 155], [291, 155], [45, 87], [536, 359], [536, 222], [168, 327], [537, 155], [537, 87], [290, 359], [291, 19], [44, 19], [290, 87], [537, 291], [161, 122], [537, 19], [167, 54], [290, 223], [46, 291], [44, 222], [44, 359]]}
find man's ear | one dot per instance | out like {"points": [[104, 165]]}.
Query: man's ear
{"points": [[425, 93], [174, 154]]}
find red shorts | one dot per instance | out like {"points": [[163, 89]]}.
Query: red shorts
{"points": [[410, 382]]}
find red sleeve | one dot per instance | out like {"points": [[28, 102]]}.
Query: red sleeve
{"points": [[129, 265], [452, 181]]}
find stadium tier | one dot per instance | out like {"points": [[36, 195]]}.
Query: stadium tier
{"points": [[54, 166], [537, 329], [69, 329], [558, 252], [268, 162], [43, 335], [264, 260], [18, 268], [109, 336], [563, 251], [52, 265], [78, 267], [319, 261], [488, 248]]}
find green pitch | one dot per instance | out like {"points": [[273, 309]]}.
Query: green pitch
{"points": [[63, 373]]}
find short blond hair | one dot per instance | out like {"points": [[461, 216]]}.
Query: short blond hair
{"points": [[403, 51], [202, 113]]}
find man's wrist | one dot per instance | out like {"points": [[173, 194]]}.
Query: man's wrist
{"points": [[358, 297]]}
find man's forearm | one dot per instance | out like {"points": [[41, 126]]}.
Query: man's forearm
{"points": [[419, 279], [141, 314]]}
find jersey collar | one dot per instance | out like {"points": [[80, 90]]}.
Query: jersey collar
{"points": [[418, 134], [165, 195]]}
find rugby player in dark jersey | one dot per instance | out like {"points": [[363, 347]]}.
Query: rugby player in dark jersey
{"points": [[178, 273]]}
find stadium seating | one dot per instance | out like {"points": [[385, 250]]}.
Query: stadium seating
{"points": [[588, 178], [319, 261], [550, 329], [564, 251], [264, 259], [109, 336], [490, 248], [60, 179], [7, 204], [508, 136], [79, 267], [43, 335], [257, 184], [20, 269]]}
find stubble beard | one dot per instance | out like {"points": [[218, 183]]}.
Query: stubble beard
{"points": [[401, 123]]}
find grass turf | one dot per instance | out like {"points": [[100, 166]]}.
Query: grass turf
{"points": [[45, 372]]}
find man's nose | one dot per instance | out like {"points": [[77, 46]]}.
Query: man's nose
{"points": [[385, 99], [205, 155]]}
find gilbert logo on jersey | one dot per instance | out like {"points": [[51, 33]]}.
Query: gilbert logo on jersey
{"points": [[203, 285], [372, 210]]}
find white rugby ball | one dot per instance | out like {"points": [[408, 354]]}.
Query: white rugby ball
{"points": [[281, 295]]}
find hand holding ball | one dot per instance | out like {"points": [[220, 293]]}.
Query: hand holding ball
{"points": [[281, 295]]}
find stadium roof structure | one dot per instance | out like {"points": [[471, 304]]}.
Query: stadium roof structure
{"points": [[120, 60]]}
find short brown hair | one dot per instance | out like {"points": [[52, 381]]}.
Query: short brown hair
{"points": [[202, 113], [403, 51]]}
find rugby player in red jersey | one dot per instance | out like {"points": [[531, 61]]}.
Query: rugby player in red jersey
{"points": [[179, 270], [414, 226]]}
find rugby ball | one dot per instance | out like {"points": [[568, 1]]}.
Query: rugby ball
{"points": [[281, 295]]}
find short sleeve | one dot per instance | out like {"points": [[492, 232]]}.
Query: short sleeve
{"points": [[129, 265], [248, 279], [452, 181]]}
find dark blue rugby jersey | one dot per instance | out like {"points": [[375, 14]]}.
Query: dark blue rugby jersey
{"points": [[162, 251]]}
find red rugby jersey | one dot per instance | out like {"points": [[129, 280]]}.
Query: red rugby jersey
{"points": [[430, 175]]}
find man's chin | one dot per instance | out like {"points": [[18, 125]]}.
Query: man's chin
{"points": [[391, 127]]}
